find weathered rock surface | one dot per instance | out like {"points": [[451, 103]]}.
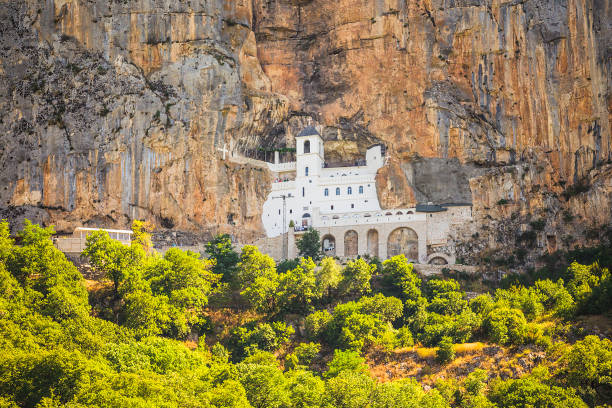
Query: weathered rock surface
{"points": [[115, 110]]}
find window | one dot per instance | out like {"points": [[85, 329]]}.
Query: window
{"points": [[306, 171], [307, 146], [326, 192], [332, 207], [349, 190], [278, 212], [290, 211], [303, 192], [337, 190], [360, 189], [352, 205]]}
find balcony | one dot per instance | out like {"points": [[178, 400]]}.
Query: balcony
{"points": [[281, 167], [283, 185]]}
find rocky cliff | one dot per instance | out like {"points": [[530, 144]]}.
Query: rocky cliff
{"points": [[122, 109]]}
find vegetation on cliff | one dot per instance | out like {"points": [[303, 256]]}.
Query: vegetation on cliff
{"points": [[146, 335]]}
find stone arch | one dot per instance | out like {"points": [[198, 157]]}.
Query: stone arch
{"points": [[405, 241], [328, 245], [351, 246], [438, 258], [373, 242]]}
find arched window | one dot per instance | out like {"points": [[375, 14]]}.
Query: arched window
{"points": [[337, 190], [306, 171], [360, 189], [349, 190], [307, 146], [303, 192], [326, 192]]}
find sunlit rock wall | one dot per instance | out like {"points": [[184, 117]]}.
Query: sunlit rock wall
{"points": [[116, 110]]}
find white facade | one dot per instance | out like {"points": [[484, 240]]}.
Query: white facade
{"points": [[315, 193]]}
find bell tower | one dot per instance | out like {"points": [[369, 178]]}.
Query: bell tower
{"points": [[310, 155]]}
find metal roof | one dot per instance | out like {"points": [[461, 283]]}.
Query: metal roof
{"points": [[103, 229], [429, 208], [308, 131]]}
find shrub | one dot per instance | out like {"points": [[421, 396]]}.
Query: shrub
{"points": [[506, 326], [475, 382], [348, 360], [302, 355], [529, 392], [403, 337], [264, 336], [589, 363], [398, 272], [446, 351], [356, 277], [317, 324]]}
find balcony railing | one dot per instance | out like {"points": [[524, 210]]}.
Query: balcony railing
{"points": [[365, 218], [281, 167], [283, 185]]}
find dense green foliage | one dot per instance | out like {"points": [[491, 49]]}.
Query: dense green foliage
{"points": [[226, 259], [55, 352], [309, 245]]}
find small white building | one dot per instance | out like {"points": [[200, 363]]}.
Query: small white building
{"points": [[76, 242]]}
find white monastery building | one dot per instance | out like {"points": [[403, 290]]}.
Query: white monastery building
{"points": [[342, 204]]}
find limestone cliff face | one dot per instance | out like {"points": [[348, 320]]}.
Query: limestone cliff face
{"points": [[118, 109]]}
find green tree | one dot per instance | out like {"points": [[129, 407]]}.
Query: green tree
{"points": [[265, 386], [356, 277], [142, 234], [230, 394], [59, 287], [506, 326], [317, 325], [264, 337], [226, 259], [298, 287], [305, 389], [185, 281], [309, 245], [110, 257], [446, 350], [475, 382], [146, 314], [6, 242], [589, 364], [181, 275], [349, 389], [398, 273], [405, 393], [329, 276], [258, 279], [529, 392], [346, 360], [302, 355], [445, 297]]}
